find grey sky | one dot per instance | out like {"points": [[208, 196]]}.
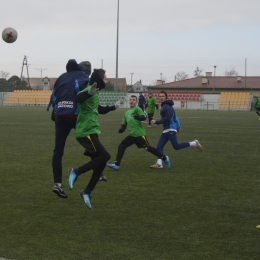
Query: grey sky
{"points": [[154, 36]]}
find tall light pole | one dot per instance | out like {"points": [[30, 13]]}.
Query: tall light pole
{"points": [[117, 45], [131, 78], [214, 78], [245, 74], [161, 78]]}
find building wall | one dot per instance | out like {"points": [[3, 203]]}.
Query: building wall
{"points": [[210, 98], [208, 102]]}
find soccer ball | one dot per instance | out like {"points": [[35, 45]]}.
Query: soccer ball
{"points": [[9, 35]]}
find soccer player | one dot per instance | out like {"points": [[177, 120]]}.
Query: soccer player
{"points": [[257, 106], [87, 131], [141, 101], [65, 110], [151, 105], [171, 126], [132, 118]]}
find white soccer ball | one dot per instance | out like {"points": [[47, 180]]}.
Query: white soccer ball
{"points": [[9, 35]]}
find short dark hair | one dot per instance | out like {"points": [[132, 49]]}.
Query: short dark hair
{"points": [[134, 97], [164, 93]]}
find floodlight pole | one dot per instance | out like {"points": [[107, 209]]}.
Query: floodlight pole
{"points": [[245, 74], [117, 46], [131, 78]]}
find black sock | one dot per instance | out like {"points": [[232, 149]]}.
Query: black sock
{"points": [[87, 191]]}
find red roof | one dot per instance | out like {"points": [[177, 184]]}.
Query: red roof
{"points": [[220, 82]]}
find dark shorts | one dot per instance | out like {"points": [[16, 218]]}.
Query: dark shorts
{"points": [[140, 141], [150, 114], [257, 108], [92, 145]]}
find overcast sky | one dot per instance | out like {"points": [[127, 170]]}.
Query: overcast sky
{"points": [[155, 36]]}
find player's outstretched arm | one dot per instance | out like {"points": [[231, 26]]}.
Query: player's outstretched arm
{"points": [[82, 96], [85, 94], [140, 118], [122, 128], [104, 110]]}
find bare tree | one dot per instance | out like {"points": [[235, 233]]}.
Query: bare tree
{"points": [[197, 72], [231, 72], [4, 74], [181, 75]]}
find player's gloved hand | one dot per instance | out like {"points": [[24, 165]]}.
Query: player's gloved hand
{"points": [[118, 103], [93, 90]]}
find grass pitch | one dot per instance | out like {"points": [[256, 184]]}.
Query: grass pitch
{"points": [[205, 207]]}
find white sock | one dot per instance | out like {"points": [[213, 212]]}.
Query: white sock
{"points": [[159, 161], [193, 143]]}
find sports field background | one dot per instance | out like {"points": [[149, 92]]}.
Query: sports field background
{"points": [[206, 207]]}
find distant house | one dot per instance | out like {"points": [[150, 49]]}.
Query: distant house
{"points": [[138, 87], [159, 82], [121, 83], [48, 83], [209, 84], [40, 84]]}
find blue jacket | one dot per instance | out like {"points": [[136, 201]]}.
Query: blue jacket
{"points": [[66, 87], [168, 117], [141, 100]]}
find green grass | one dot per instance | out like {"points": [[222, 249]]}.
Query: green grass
{"points": [[205, 207]]}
